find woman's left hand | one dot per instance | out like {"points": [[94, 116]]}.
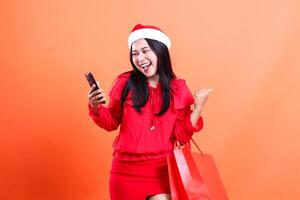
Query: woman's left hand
{"points": [[201, 97]]}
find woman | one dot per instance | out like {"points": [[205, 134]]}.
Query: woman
{"points": [[153, 109]]}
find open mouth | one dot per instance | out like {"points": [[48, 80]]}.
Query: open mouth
{"points": [[146, 66]]}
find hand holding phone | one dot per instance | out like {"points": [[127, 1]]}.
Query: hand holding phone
{"points": [[95, 96]]}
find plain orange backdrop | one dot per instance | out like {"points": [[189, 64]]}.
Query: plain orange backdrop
{"points": [[246, 50]]}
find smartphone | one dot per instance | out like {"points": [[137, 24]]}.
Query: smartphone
{"points": [[91, 80]]}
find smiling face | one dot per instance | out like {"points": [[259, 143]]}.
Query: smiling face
{"points": [[144, 59]]}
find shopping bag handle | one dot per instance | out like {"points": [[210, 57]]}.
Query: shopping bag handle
{"points": [[178, 146], [196, 145]]}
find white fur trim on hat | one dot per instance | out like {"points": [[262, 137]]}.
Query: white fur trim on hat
{"points": [[149, 33]]}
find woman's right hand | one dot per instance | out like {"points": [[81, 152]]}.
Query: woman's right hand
{"points": [[96, 98]]}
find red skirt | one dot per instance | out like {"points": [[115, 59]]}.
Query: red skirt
{"points": [[137, 180]]}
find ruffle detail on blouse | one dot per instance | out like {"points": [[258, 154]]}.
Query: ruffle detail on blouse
{"points": [[118, 86], [182, 96]]}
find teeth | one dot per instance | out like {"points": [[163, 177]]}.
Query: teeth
{"points": [[145, 65]]}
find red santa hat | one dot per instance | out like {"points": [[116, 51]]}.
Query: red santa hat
{"points": [[150, 32]]}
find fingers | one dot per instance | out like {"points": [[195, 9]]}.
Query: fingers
{"points": [[203, 92], [100, 97], [179, 144], [96, 97], [93, 89], [210, 90], [94, 93]]}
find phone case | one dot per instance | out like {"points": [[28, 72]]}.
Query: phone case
{"points": [[91, 80]]}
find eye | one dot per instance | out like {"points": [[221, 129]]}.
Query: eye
{"points": [[146, 50], [134, 53]]}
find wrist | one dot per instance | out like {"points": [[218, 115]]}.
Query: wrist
{"points": [[198, 108], [94, 109]]}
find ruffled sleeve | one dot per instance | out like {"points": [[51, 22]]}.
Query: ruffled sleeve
{"points": [[118, 86], [182, 101], [182, 97], [109, 117]]}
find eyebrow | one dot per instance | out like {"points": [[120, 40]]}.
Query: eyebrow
{"points": [[141, 49]]}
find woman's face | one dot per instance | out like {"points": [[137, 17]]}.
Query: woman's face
{"points": [[144, 58]]}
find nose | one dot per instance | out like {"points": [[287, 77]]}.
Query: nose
{"points": [[141, 57]]}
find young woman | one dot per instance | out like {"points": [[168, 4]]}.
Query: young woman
{"points": [[153, 110]]}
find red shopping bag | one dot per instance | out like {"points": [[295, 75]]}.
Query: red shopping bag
{"points": [[185, 180], [210, 174], [194, 176]]}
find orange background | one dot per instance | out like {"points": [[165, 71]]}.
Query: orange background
{"points": [[248, 51]]}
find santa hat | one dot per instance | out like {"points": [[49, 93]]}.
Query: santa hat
{"points": [[150, 32]]}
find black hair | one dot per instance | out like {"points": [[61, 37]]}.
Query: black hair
{"points": [[138, 84]]}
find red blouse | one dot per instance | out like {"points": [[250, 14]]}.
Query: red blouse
{"points": [[143, 135]]}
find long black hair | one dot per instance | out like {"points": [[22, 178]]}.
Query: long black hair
{"points": [[138, 84]]}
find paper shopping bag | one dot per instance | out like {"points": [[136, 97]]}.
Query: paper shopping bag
{"points": [[194, 176], [185, 180]]}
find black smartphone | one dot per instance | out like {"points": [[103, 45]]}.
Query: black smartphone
{"points": [[90, 78]]}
